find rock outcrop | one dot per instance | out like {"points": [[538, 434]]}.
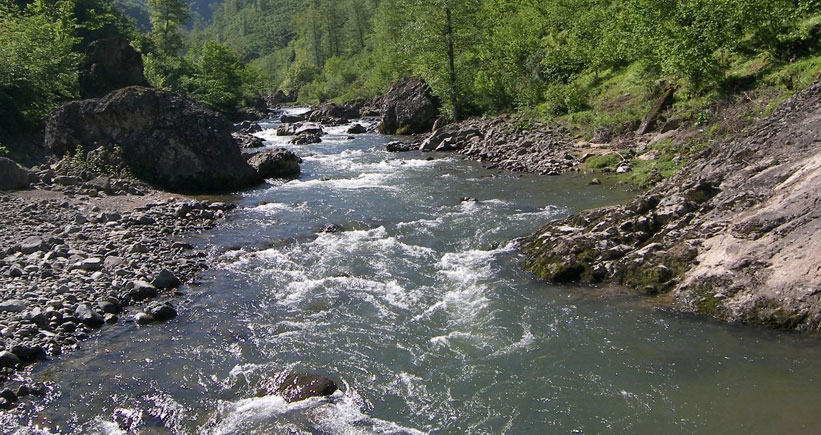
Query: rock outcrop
{"points": [[734, 234], [12, 176], [334, 114], [512, 144], [409, 107], [277, 163], [110, 64], [166, 140]]}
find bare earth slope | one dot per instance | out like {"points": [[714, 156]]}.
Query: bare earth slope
{"points": [[736, 234]]}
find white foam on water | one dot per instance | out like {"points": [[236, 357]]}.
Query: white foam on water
{"points": [[277, 207], [527, 341], [361, 181], [374, 241], [340, 413]]}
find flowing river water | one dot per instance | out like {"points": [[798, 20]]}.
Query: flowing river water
{"points": [[422, 313]]}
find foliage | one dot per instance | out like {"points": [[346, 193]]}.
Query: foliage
{"points": [[41, 44], [98, 162], [167, 16], [218, 78], [38, 65]]}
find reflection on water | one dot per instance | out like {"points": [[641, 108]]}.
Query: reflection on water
{"points": [[421, 312]]}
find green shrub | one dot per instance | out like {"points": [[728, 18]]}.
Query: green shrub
{"points": [[611, 160], [99, 162]]}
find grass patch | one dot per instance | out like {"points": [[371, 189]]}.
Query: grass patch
{"points": [[610, 160]]}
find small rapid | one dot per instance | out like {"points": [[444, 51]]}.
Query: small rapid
{"points": [[417, 304]]}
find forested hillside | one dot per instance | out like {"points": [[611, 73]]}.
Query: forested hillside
{"points": [[494, 55], [596, 61]]}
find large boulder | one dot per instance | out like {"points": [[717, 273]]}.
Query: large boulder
{"points": [[409, 107], [280, 98], [167, 140], [278, 163], [334, 114], [110, 64], [12, 176]]}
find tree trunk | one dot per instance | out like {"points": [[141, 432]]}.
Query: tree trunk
{"points": [[454, 98]]}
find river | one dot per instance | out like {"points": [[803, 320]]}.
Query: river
{"points": [[420, 310]]}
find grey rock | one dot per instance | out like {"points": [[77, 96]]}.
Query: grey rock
{"points": [[142, 290], [92, 264], [161, 311], [9, 395], [12, 306], [165, 280], [143, 318], [31, 245], [8, 359], [28, 353], [357, 129], [12, 176], [301, 386], [408, 107], [110, 64], [277, 163], [165, 139], [87, 316]]}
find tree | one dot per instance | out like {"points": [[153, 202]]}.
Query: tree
{"points": [[38, 65], [219, 79], [166, 18]]}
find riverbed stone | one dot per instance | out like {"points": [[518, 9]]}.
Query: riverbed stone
{"points": [[88, 316], [301, 386], [161, 311], [12, 306], [142, 290], [165, 280], [8, 359]]}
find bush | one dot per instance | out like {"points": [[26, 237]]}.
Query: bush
{"points": [[564, 99], [102, 161]]}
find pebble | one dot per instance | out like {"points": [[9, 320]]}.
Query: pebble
{"points": [[69, 264]]}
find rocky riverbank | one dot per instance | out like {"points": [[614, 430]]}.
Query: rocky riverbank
{"points": [[733, 235], [506, 143], [78, 256]]}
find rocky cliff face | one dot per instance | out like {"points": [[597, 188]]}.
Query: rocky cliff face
{"points": [[167, 140], [735, 234]]}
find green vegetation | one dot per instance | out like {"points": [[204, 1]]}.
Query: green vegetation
{"points": [[99, 162], [597, 65], [40, 46]]}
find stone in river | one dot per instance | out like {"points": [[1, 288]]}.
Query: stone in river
{"points": [[165, 280], [8, 359], [301, 386], [87, 316], [161, 311], [142, 290]]}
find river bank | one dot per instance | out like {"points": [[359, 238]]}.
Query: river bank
{"points": [[731, 235], [77, 257]]}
